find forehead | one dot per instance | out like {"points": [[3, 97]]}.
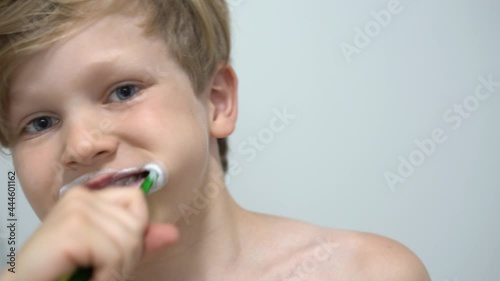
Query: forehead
{"points": [[109, 40]]}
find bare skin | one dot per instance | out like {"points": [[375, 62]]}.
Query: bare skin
{"points": [[166, 236]]}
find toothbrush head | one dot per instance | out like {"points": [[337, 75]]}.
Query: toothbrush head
{"points": [[156, 178]]}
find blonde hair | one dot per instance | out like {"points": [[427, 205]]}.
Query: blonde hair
{"points": [[196, 33]]}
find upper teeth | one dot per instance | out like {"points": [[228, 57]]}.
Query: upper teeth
{"points": [[126, 181]]}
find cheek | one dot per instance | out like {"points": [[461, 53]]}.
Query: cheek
{"points": [[37, 177], [174, 129]]}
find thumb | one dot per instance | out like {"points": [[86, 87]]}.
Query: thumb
{"points": [[158, 236]]}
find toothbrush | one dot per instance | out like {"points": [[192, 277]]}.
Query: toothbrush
{"points": [[153, 182]]}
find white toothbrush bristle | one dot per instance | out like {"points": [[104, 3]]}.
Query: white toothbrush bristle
{"points": [[161, 176]]}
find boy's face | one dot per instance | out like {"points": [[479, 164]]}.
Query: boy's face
{"points": [[109, 97]]}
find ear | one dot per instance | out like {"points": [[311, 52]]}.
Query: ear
{"points": [[223, 101]]}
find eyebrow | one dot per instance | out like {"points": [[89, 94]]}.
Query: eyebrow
{"points": [[94, 74], [94, 77], [109, 70]]}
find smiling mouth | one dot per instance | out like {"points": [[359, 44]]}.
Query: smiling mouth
{"points": [[104, 179], [118, 179]]}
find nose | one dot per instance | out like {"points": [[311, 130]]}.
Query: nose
{"points": [[88, 142]]}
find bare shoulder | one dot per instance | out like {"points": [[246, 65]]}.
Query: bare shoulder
{"points": [[320, 253], [382, 258]]}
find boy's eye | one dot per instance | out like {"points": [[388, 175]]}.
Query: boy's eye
{"points": [[123, 93], [40, 124]]}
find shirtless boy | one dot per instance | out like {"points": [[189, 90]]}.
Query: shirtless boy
{"points": [[89, 85]]}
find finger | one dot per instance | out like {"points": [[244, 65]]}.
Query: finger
{"points": [[158, 236], [129, 198], [86, 244], [103, 211], [114, 224], [123, 228], [112, 253]]}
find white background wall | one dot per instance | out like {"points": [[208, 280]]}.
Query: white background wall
{"points": [[355, 117]]}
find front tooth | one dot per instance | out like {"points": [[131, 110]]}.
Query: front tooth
{"points": [[126, 181]]}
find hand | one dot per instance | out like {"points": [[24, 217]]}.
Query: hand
{"points": [[106, 229]]}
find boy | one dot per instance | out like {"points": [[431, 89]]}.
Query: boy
{"points": [[90, 85]]}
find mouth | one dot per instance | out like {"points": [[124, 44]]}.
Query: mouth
{"points": [[107, 178], [125, 178]]}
